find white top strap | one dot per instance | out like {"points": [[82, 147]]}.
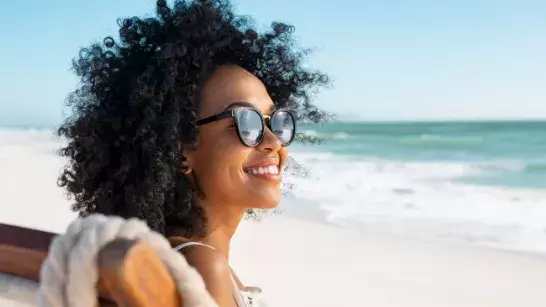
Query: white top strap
{"points": [[239, 299], [181, 246]]}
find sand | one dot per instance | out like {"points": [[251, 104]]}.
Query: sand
{"points": [[300, 263]]}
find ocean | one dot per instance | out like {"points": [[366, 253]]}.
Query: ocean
{"points": [[507, 154], [478, 183], [481, 183]]}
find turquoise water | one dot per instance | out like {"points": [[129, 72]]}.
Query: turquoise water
{"points": [[511, 154]]}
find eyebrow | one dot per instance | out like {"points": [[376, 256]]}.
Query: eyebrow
{"points": [[236, 104]]}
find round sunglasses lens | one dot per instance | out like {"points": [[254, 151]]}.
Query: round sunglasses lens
{"points": [[251, 126], [284, 126]]}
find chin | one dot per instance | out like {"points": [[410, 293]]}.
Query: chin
{"points": [[261, 202], [260, 196]]}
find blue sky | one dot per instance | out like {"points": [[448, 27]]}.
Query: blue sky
{"points": [[390, 60]]}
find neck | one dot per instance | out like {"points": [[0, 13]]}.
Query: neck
{"points": [[222, 222]]}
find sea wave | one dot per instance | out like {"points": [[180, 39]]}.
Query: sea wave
{"points": [[522, 142], [325, 135], [539, 167], [421, 199], [423, 141], [443, 141]]}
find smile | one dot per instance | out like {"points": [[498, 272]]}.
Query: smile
{"points": [[263, 170]]}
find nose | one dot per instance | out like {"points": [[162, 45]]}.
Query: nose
{"points": [[270, 142]]}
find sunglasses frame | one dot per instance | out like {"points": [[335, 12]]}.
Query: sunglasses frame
{"points": [[233, 113]]}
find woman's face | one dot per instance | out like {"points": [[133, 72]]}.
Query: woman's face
{"points": [[223, 166]]}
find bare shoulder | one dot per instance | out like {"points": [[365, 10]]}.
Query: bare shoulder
{"points": [[215, 270], [206, 259]]}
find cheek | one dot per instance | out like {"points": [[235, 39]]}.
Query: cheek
{"points": [[219, 167], [219, 149], [229, 160]]}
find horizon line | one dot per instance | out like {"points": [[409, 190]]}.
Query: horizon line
{"points": [[339, 119]]}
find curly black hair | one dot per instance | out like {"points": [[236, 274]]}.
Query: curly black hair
{"points": [[135, 108]]}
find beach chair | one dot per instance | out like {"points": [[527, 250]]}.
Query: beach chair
{"points": [[130, 272]]}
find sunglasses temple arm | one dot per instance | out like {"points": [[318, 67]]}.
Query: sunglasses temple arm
{"points": [[217, 117]]}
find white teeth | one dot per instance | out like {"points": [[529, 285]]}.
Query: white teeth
{"points": [[272, 169]]}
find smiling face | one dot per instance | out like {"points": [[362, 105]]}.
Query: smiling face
{"points": [[229, 173]]}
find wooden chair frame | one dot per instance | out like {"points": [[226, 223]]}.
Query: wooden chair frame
{"points": [[130, 272]]}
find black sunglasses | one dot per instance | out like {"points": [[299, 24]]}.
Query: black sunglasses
{"points": [[250, 124]]}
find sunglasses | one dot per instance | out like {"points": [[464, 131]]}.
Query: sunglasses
{"points": [[250, 125]]}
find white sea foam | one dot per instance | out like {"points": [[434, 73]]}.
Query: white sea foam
{"points": [[29, 168], [421, 199]]}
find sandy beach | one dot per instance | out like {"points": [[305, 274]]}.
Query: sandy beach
{"points": [[300, 263]]}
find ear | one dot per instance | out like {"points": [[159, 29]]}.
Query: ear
{"points": [[186, 162]]}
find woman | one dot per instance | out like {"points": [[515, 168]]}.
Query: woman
{"points": [[185, 122]]}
